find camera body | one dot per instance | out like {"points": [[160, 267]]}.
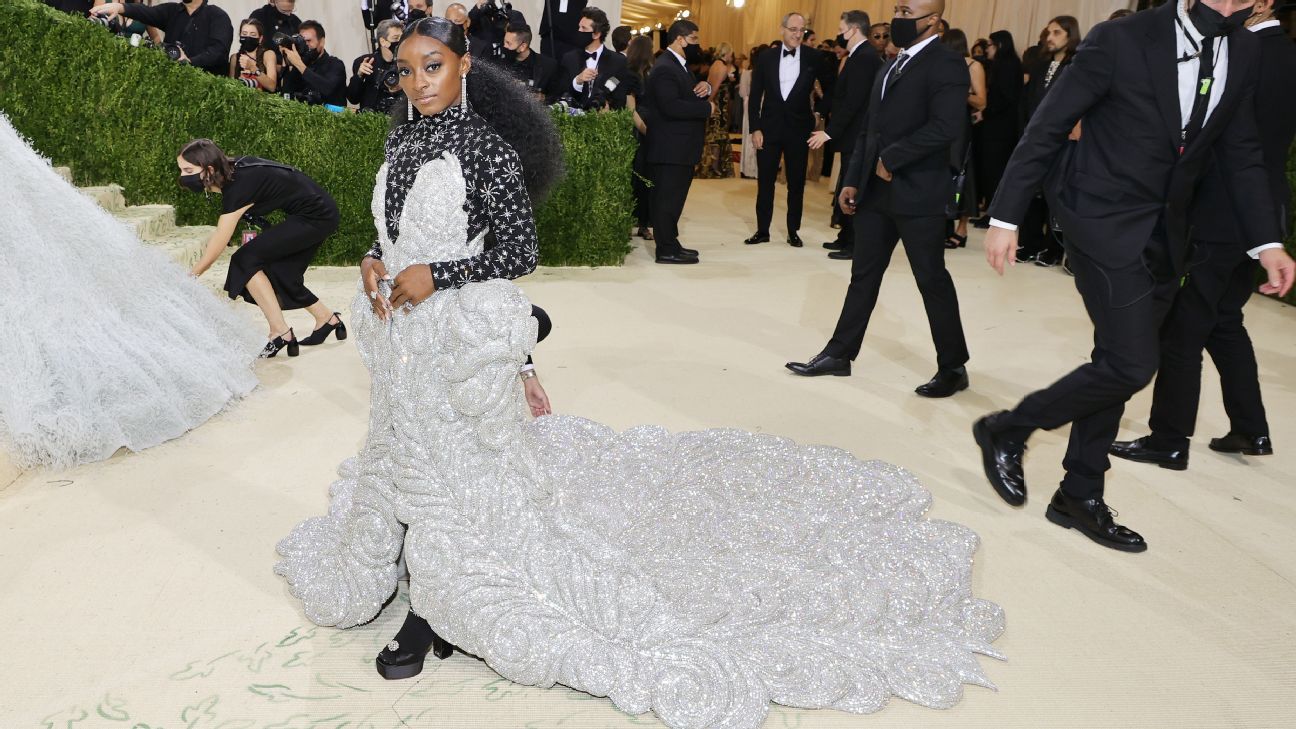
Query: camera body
{"points": [[173, 50], [282, 40], [305, 96]]}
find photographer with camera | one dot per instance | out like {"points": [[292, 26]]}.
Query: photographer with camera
{"points": [[538, 73], [488, 21], [312, 76], [255, 63], [277, 17], [197, 32], [374, 85], [594, 72]]}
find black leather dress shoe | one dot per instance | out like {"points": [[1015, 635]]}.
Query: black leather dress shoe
{"points": [[677, 258], [833, 245], [794, 240], [1094, 519], [845, 254], [1247, 445], [821, 364], [945, 383], [1144, 450], [689, 252], [1002, 460], [403, 657], [758, 238]]}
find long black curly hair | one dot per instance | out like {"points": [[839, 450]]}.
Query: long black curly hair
{"points": [[503, 103]]}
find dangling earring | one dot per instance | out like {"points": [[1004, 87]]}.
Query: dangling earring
{"points": [[409, 110], [463, 92]]}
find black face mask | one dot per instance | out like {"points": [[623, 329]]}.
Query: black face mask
{"points": [[510, 54], [1213, 24], [192, 182], [415, 15], [247, 45], [586, 38], [693, 53], [904, 31], [310, 56], [841, 40]]}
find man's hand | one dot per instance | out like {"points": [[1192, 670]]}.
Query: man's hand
{"points": [[818, 139], [882, 171], [1001, 248], [758, 139], [702, 90], [366, 67], [586, 76], [294, 58], [846, 201], [1074, 136], [1281, 270], [108, 9], [412, 286], [371, 271]]}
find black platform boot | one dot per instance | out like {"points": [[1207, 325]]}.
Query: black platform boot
{"points": [[403, 657]]}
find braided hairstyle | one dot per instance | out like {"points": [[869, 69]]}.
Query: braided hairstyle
{"points": [[494, 95]]}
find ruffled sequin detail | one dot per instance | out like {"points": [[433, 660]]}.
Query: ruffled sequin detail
{"points": [[700, 575]]}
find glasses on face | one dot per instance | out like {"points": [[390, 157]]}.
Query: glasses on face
{"points": [[881, 36], [795, 30]]}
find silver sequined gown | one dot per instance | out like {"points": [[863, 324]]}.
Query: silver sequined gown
{"points": [[696, 575]]}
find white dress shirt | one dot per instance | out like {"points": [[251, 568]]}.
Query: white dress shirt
{"points": [[789, 70], [679, 58], [1188, 76], [904, 58], [591, 64]]}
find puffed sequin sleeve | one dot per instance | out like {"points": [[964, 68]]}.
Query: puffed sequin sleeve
{"points": [[498, 190]]}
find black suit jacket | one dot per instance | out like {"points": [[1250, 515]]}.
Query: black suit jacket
{"points": [[558, 31], [779, 119], [913, 129], [675, 116], [1275, 112], [1126, 174], [851, 93], [611, 65]]}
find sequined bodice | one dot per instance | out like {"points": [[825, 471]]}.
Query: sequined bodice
{"points": [[434, 219]]}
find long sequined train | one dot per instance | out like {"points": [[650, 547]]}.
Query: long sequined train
{"points": [[696, 575]]}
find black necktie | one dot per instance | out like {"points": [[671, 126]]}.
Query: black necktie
{"points": [[895, 71], [789, 53], [1202, 95]]}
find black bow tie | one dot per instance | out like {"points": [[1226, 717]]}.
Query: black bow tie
{"points": [[789, 53], [592, 56]]}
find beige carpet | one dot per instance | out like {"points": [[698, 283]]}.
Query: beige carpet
{"points": [[138, 592]]}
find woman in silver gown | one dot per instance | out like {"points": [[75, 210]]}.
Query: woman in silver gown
{"points": [[696, 575], [108, 343]]}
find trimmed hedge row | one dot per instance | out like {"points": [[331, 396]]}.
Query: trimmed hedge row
{"points": [[115, 113]]}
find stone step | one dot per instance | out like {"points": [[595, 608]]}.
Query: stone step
{"points": [[64, 172], [109, 197], [184, 245], [150, 222]]}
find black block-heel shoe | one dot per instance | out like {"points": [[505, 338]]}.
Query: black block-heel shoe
{"points": [[403, 657], [321, 335], [274, 346]]}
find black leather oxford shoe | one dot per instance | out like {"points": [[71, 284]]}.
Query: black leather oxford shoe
{"points": [[1247, 445], [757, 238], [1094, 519], [821, 364], [1145, 450], [1001, 457], [794, 240], [833, 245], [945, 383], [688, 252], [678, 258], [845, 254]]}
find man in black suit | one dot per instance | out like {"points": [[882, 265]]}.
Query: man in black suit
{"points": [[1207, 313], [1163, 94], [560, 27], [593, 73], [537, 72], [781, 120], [850, 110], [675, 110], [900, 178]]}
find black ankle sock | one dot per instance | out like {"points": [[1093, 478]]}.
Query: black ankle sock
{"points": [[415, 635]]}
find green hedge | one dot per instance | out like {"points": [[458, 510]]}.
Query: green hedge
{"points": [[114, 113]]}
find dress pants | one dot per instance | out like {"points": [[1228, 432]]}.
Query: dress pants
{"points": [[846, 233], [670, 190], [795, 156], [1035, 236], [1207, 314], [1127, 307], [876, 233]]}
